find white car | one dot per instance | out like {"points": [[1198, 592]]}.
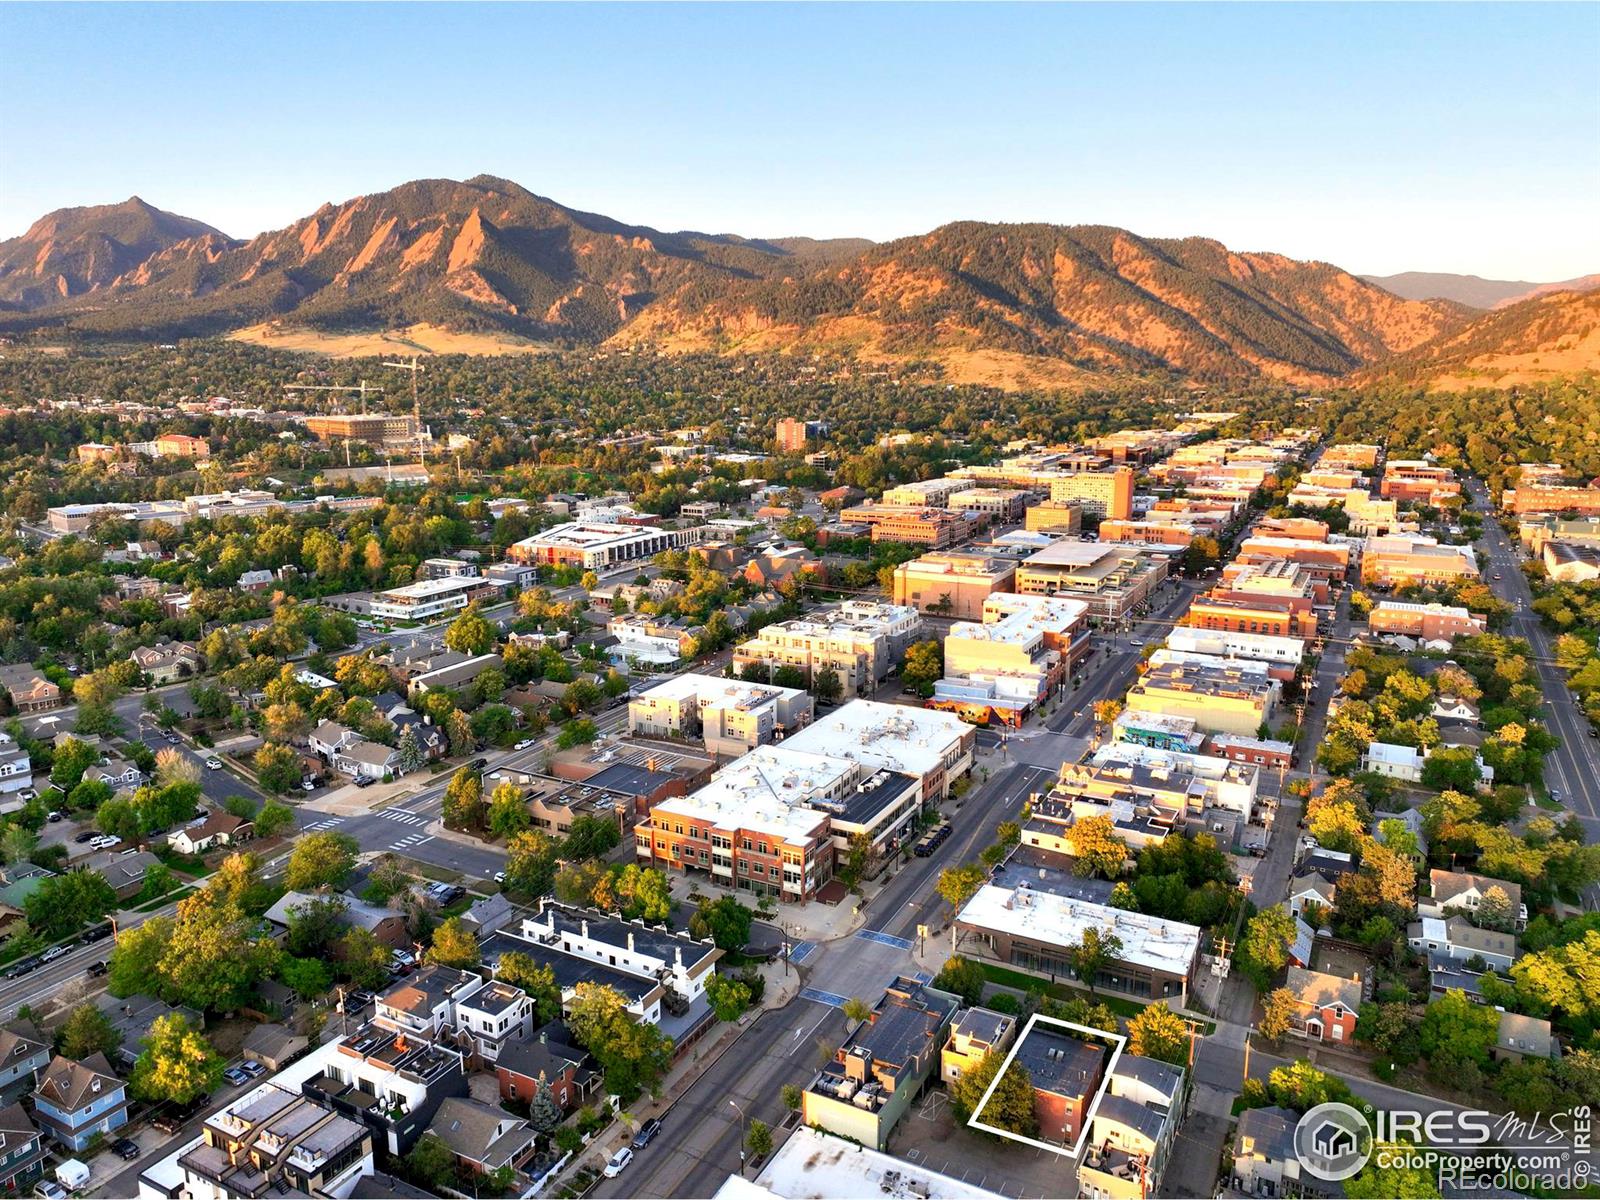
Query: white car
{"points": [[213, 764], [499, 876], [53, 953], [618, 1162], [524, 744]]}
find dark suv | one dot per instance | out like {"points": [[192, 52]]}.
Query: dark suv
{"points": [[647, 1133]]}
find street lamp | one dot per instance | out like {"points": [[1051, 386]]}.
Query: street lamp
{"points": [[742, 1119]]}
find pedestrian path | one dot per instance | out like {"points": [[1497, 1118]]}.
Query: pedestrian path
{"points": [[410, 841], [801, 951], [885, 939], [832, 999], [400, 815], [327, 823]]}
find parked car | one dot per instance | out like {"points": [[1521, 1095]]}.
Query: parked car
{"points": [[252, 1068], [618, 1162], [52, 954], [647, 1133], [97, 932], [308, 785], [55, 816], [172, 739], [22, 966], [126, 1149], [176, 1116], [88, 835], [98, 969], [499, 876], [363, 781], [523, 744], [235, 1076], [49, 1189], [213, 764]]}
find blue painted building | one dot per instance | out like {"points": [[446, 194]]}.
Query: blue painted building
{"points": [[76, 1100]]}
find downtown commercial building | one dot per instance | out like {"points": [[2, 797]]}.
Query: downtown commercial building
{"points": [[1113, 580], [1003, 668], [952, 583], [595, 546], [1219, 699]]}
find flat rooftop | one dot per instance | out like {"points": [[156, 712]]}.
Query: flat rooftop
{"points": [[428, 589], [812, 1165], [768, 790], [894, 737], [1047, 919], [729, 693]]}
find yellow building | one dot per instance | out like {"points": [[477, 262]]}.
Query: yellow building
{"points": [[952, 583]]}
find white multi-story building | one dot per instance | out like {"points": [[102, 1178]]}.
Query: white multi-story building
{"points": [[426, 598], [730, 715], [860, 640]]}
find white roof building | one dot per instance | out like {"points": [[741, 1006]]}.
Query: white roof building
{"points": [[812, 1163]]}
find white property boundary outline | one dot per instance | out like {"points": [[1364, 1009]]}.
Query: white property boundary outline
{"points": [[1094, 1105]]}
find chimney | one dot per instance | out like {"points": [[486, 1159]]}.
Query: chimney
{"points": [[630, 941], [584, 928], [677, 956]]}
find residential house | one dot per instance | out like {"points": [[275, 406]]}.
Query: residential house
{"points": [[1264, 1158], [167, 662], [29, 690], [218, 829], [1394, 762], [883, 1065], [1327, 1005], [411, 1075], [115, 772], [75, 1101], [21, 1059], [489, 914], [1522, 1037], [22, 1151], [329, 738], [367, 760], [492, 1016], [274, 1046], [133, 1017], [1132, 1131], [1454, 708], [126, 872], [975, 1033], [547, 1062], [1452, 892], [1457, 940], [388, 926], [425, 1003], [255, 581], [1311, 888], [16, 774], [483, 1139]]}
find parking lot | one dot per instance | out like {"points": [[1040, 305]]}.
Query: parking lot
{"points": [[931, 1137]]}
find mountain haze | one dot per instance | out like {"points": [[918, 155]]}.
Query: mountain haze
{"points": [[1006, 303], [1472, 290]]}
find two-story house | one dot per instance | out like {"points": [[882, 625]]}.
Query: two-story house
{"points": [[21, 1151], [29, 690], [1327, 1005], [547, 1063], [391, 1082], [492, 1016], [74, 1101], [974, 1033], [1488, 901], [167, 662], [16, 774], [21, 1060]]}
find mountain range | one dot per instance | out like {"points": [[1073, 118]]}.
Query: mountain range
{"points": [[1472, 290], [1003, 303]]}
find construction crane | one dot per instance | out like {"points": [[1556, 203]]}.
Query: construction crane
{"points": [[416, 369], [364, 387]]}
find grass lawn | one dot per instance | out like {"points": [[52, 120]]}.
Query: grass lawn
{"points": [[1006, 977], [439, 874]]}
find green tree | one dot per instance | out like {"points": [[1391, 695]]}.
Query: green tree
{"points": [[454, 945], [1455, 1025], [1278, 1013], [1096, 848], [1011, 1106], [87, 1031], [1264, 949], [1095, 951], [135, 963], [471, 633], [633, 1056], [590, 836], [277, 767], [321, 859], [1155, 1031], [923, 667], [1386, 1175], [827, 685], [758, 1140], [463, 800], [432, 1164], [315, 924], [365, 958], [576, 733], [409, 751], [728, 997], [273, 819], [508, 812], [177, 1063], [72, 758], [531, 863], [537, 979], [957, 885], [725, 921], [856, 1010], [308, 978]]}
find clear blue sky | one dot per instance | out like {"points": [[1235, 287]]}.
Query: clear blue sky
{"points": [[1379, 137]]}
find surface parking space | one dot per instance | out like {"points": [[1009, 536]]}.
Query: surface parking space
{"points": [[931, 1137]]}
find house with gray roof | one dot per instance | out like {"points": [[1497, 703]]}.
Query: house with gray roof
{"points": [[1458, 940], [21, 1059], [388, 926], [483, 1139], [1521, 1037], [1461, 892]]}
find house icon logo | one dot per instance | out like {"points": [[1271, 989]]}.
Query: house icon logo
{"points": [[1333, 1141]]}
